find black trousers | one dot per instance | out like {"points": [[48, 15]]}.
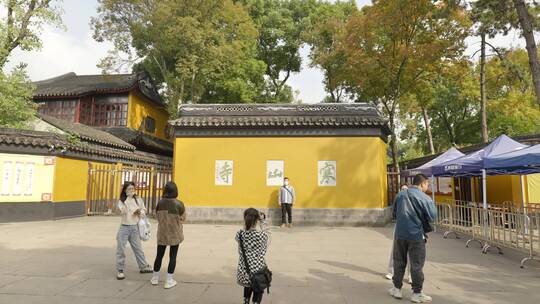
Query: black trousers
{"points": [[417, 256], [257, 296], [286, 210], [173, 251]]}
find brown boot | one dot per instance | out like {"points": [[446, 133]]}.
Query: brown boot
{"points": [[290, 225]]}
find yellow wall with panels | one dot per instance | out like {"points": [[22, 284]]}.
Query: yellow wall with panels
{"points": [[361, 171], [70, 180], [139, 107], [26, 178]]}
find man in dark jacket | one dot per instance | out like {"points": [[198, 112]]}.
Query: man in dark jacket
{"points": [[411, 207]]}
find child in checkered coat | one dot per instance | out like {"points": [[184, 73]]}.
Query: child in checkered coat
{"points": [[255, 243]]}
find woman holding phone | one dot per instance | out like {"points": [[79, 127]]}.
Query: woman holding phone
{"points": [[131, 208]]}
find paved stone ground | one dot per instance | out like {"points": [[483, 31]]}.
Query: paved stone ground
{"points": [[72, 261]]}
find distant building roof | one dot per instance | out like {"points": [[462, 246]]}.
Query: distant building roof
{"points": [[47, 143], [87, 133], [280, 116], [73, 85], [142, 141]]}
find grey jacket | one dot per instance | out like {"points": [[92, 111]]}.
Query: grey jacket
{"points": [[286, 195]]}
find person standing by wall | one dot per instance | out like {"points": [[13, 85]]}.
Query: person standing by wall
{"points": [[414, 209], [390, 274], [132, 208], [286, 199], [171, 214]]}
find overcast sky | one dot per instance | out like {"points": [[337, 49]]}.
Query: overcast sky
{"points": [[74, 50]]}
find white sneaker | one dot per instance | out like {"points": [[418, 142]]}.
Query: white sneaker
{"points": [[396, 293], [420, 298], [389, 276], [120, 275], [154, 280], [170, 284]]}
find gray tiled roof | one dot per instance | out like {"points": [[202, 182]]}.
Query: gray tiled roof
{"points": [[141, 140], [280, 115], [73, 85], [57, 144], [87, 133]]}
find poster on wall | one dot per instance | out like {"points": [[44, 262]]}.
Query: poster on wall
{"points": [[29, 179], [6, 177], [274, 172], [224, 173], [18, 178], [327, 173], [445, 185]]}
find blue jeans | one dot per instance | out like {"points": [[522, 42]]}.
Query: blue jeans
{"points": [[129, 233]]}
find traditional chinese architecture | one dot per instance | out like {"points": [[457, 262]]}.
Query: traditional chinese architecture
{"points": [[46, 173], [125, 105], [230, 157]]}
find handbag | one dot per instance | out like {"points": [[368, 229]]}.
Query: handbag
{"points": [[426, 225], [144, 226], [259, 280]]}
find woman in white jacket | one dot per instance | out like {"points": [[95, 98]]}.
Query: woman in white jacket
{"points": [[132, 208]]}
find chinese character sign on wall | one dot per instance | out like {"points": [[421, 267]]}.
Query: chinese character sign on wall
{"points": [[25, 178], [274, 172], [224, 172], [327, 172]]}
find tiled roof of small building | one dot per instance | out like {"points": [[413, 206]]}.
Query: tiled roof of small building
{"points": [[87, 133], [141, 140], [58, 144], [280, 115], [73, 85]]}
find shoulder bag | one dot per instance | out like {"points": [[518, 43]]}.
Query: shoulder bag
{"points": [[259, 280]]}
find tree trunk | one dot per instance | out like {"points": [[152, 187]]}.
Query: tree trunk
{"points": [[485, 135], [525, 20], [428, 129], [393, 143]]}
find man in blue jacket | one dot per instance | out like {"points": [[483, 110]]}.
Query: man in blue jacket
{"points": [[410, 239]]}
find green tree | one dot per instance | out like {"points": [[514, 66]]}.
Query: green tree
{"points": [[491, 18], [19, 28], [281, 24], [513, 14], [417, 104], [455, 107], [16, 105], [22, 23], [513, 109], [327, 24], [393, 44], [197, 51]]}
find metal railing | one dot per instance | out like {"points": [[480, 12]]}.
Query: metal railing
{"points": [[499, 226], [105, 183]]}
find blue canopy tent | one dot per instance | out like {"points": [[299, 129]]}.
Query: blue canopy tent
{"points": [[520, 162], [426, 168], [473, 164]]}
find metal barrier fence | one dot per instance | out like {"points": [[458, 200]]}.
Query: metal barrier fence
{"points": [[496, 227]]}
